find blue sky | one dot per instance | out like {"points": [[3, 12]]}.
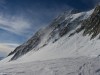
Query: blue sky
{"points": [[20, 19]]}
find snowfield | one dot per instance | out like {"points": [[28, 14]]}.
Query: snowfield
{"points": [[64, 66]]}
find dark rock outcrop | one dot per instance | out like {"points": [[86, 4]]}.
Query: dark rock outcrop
{"points": [[91, 26]]}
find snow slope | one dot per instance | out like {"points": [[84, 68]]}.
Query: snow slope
{"points": [[47, 39], [64, 47]]}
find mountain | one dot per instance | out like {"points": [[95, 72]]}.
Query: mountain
{"points": [[62, 25], [68, 46]]}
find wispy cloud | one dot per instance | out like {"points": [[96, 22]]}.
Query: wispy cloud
{"points": [[15, 24], [7, 47]]}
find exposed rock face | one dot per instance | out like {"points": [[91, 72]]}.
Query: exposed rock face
{"points": [[92, 24]]}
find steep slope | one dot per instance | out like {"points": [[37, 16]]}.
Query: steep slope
{"points": [[63, 38], [58, 28]]}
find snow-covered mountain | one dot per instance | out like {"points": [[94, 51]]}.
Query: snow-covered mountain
{"points": [[68, 46], [55, 33]]}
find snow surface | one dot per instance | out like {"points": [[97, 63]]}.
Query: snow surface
{"points": [[64, 66], [51, 67]]}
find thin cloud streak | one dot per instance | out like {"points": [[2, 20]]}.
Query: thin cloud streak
{"points": [[17, 25], [7, 47]]}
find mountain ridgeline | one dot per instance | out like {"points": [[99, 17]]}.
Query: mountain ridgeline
{"points": [[89, 22]]}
